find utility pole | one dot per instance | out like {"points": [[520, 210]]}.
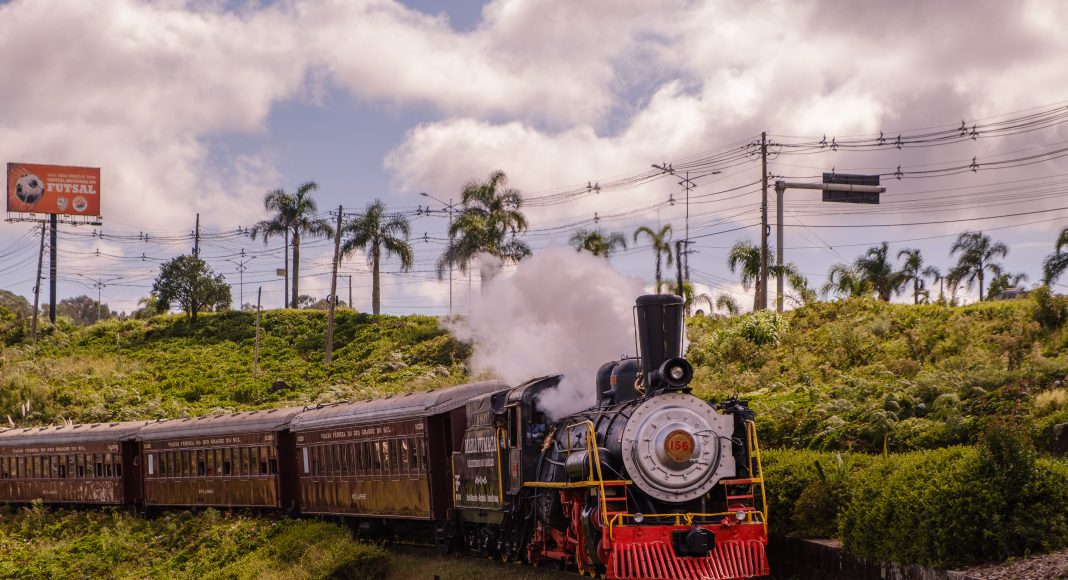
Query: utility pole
{"points": [[53, 222], [678, 266], [449, 207], [99, 284], [256, 356], [37, 285], [241, 267], [778, 247], [762, 283], [687, 185], [333, 289], [349, 276], [196, 238]]}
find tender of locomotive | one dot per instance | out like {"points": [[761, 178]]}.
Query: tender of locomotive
{"points": [[651, 482]]}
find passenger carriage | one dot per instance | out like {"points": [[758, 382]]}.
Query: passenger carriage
{"points": [[71, 464], [233, 460]]}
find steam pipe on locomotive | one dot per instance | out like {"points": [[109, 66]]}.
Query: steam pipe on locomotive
{"points": [[650, 482]]}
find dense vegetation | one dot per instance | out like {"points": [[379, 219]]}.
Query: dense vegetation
{"points": [[168, 366], [860, 374], [39, 543]]}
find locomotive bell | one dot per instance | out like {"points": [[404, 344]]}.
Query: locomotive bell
{"points": [[659, 327]]}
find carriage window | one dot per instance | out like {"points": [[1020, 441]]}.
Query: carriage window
{"points": [[306, 466], [187, 464], [62, 466], [210, 463], [263, 460], [151, 464], [227, 461], [6, 468], [376, 450], [118, 467], [107, 464], [327, 459], [166, 468], [247, 461], [406, 462], [272, 461], [72, 468], [389, 457], [338, 461]]}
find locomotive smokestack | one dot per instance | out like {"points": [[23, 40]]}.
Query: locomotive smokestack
{"points": [[659, 322]]}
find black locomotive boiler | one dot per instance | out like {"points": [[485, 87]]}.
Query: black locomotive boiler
{"points": [[648, 482]]}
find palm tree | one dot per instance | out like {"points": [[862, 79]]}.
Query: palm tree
{"points": [[936, 276], [744, 256], [488, 223], [797, 282], [875, 267], [281, 203], [912, 271], [1002, 282], [728, 303], [977, 256], [1056, 263], [294, 217], [661, 242], [597, 243], [844, 280], [375, 231]]}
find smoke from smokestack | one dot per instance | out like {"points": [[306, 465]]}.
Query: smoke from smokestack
{"points": [[560, 312]]}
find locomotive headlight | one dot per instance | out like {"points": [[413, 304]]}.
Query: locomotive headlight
{"points": [[674, 372], [639, 518], [677, 372], [740, 515]]}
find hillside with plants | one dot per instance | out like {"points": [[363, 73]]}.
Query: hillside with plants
{"points": [[169, 366]]}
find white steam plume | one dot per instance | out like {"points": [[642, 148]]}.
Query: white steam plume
{"points": [[560, 312]]}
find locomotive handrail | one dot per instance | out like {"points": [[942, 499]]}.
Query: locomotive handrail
{"points": [[688, 517], [754, 445]]}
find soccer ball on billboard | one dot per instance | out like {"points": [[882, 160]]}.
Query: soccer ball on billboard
{"points": [[29, 189]]}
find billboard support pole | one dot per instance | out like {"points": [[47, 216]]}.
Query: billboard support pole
{"points": [[53, 222], [37, 285]]}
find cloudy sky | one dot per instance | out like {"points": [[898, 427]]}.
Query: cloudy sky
{"points": [[203, 106]]}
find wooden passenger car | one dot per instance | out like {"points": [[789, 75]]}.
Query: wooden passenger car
{"points": [[383, 458], [236, 460], [74, 464]]}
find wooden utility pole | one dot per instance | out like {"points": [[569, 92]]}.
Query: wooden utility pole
{"points": [[196, 238], [678, 266], [762, 283], [52, 274], [333, 289], [256, 356], [37, 285]]}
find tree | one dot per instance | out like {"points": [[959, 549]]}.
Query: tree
{"points": [[488, 223], [875, 267], [728, 303], [912, 271], [845, 281], [1056, 263], [294, 217], [375, 232], [1002, 282], [661, 242], [978, 255], [597, 243], [16, 304], [190, 284], [796, 282], [147, 307], [83, 310], [744, 256], [936, 277]]}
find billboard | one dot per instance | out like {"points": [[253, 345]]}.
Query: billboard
{"points": [[54, 189]]}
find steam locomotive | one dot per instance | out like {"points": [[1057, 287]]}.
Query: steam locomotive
{"points": [[650, 482]]}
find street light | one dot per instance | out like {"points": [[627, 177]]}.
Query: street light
{"points": [[449, 208]]}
